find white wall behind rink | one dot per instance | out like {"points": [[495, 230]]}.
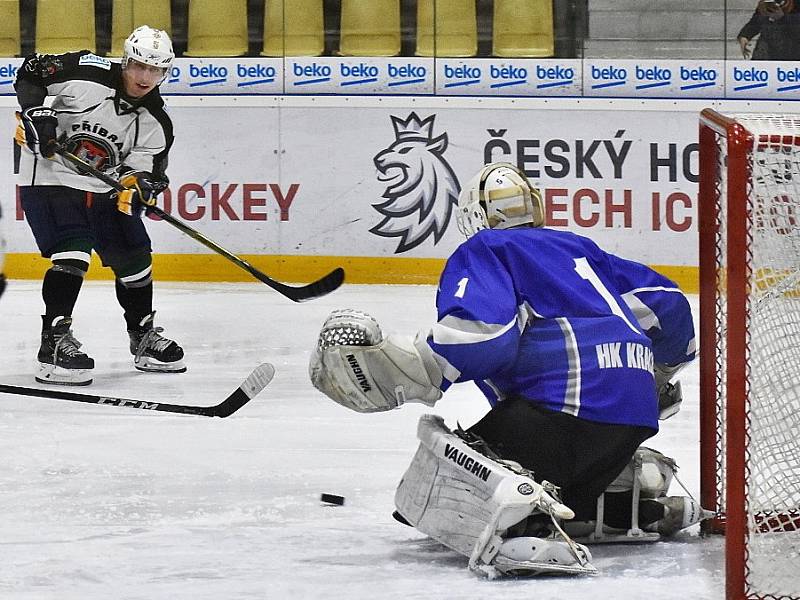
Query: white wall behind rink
{"points": [[377, 176]]}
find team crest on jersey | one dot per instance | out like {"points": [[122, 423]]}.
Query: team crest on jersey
{"points": [[92, 150], [421, 188]]}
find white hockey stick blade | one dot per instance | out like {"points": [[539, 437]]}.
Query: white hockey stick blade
{"points": [[250, 388]]}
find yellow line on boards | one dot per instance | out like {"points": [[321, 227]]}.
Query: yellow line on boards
{"points": [[300, 269]]}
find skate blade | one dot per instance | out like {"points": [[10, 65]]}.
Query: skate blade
{"points": [[54, 375], [516, 568], [150, 365]]}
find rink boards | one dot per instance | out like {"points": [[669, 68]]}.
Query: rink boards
{"points": [[299, 184]]}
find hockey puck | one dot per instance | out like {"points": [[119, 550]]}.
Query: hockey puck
{"points": [[332, 499]]}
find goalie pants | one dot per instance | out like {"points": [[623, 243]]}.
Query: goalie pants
{"points": [[581, 457]]}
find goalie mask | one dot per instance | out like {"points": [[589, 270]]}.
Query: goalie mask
{"points": [[498, 197], [149, 46]]}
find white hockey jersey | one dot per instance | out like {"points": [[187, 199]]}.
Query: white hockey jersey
{"points": [[100, 124]]}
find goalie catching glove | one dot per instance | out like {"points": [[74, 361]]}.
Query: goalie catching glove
{"points": [[354, 365], [141, 191]]}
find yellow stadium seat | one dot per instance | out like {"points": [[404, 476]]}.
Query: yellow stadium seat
{"points": [[454, 23], [370, 28], [127, 15], [9, 28], [64, 26], [217, 28], [523, 28], [293, 28]]}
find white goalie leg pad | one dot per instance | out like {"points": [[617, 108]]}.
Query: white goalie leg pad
{"points": [[466, 501], [355, 366]]}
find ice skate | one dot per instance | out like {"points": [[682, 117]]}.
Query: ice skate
{"points": [[531, 556], [60, 359], [153, 352], [680, 512]]}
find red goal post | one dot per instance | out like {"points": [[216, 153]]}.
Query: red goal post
{"points": [[749, 245]]}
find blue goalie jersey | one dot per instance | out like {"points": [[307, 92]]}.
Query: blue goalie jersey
{"points": [[548, 316]]}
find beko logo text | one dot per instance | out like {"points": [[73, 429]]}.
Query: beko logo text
{"points": [[791, 75], [359, 70], [609, 73], [698, 74], [207, 71], [255, 71], [508, 72], [312, 70], [750, 74], [406, 70], [462, 72], [554, 72], [653, 74]]}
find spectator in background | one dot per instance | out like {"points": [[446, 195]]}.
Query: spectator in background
{"points": [[777, 23]]}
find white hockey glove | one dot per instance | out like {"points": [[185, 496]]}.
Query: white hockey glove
{"points": [[355, 366]]}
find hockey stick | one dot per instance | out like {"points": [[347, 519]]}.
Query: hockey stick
{"points": [[255, 382], [315, 289]]}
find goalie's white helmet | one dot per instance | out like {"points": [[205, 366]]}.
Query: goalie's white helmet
{"points": [[149, 46], [498, 197]]}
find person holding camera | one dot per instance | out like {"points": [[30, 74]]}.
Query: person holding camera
{"points": [[777, 25]]}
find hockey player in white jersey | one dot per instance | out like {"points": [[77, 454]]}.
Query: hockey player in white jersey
{"points": [[572, 347], [112, 116]]}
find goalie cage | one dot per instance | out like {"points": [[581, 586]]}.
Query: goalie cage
{"points": [[749, 221]]}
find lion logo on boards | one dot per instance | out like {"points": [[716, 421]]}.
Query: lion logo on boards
{"points": [[421, 186]]}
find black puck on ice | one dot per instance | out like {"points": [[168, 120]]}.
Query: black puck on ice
{"points": [[332, 499]]}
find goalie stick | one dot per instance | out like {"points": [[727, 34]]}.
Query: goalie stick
{"points": [[315, 289], [250, 387]]}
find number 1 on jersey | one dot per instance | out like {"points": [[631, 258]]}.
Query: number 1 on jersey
{"points": [[462, 287], [584, 269]]}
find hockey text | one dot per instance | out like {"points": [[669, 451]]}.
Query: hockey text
{"points": [[217, 202]]}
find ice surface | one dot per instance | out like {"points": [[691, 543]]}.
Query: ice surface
{"points": [[101, 502]]}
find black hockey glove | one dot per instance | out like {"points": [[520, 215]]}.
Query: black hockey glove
{"points": [[40, 125], [142, 189], [670, 397]]}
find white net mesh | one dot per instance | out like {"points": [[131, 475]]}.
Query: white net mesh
{"points": [[772, 460]]}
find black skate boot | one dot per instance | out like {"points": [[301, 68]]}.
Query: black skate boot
{"points": [[153, 352], [60, 360]]}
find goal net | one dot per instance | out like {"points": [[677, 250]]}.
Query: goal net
{"points": [[749, 214]]}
